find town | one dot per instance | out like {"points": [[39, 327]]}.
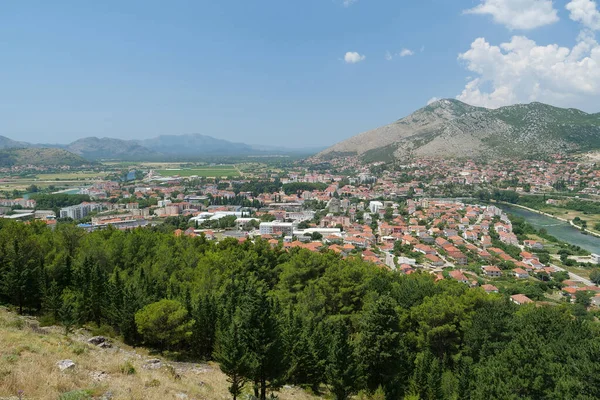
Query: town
{"points": [[431, 215]]}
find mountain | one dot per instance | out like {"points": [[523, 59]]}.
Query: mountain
{"points": [[193, 145], [6, 143], [450, 128], [39, 157], [161, 148], [93, 148]]}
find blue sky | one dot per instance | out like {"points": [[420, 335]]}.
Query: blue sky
{"points": [[280, 72]]}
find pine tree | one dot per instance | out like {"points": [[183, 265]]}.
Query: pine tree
{"points": [[262, 333], [434, 380], [21, 283], [97, 294], [68, 314], [296, 339], [341, 369], [52, 300], [379, 347], [203, 333], [232, 353]]}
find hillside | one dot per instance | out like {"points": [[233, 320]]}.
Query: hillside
{"points": [[29, 364], [6, 143], [93, 148], [39, 157], [164, 147], [450, 128]]}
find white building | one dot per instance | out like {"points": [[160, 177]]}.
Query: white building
{"points": [[79, 211], [595, 258], [375, 206], [276, 228], [322, 231]]}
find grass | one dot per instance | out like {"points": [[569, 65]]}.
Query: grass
{"points": [[217, 171], [28, 360], [592, 219], [72, 175]]}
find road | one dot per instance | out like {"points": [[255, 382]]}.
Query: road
{"points": [[574, 277]]}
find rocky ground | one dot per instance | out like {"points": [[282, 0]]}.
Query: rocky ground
{"points": [[43, 363]]}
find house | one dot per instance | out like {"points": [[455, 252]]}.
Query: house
{"points": [[434, 260], [406, 269], [422, 248], [533, 244], [459, 276], [520, 273], [459, 257], [470, 235], [491, 271], [520, 299], [489, 288]]}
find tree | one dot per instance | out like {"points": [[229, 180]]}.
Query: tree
{"points": [[379, 347], [341, 370], [595, 276], [52, 300], [233, 356], [22, 267], [584, 298], [262, 334], [205, 324], [67, 314], [231, 350], [164, 324]]}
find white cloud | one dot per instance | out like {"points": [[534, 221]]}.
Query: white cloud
{"points": [[433, 100], [348, 3], [388, 55], [406, 52], [522, 71], [586, 12], [353, 57], [518, 14]]}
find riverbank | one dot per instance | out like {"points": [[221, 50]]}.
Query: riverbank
{"points": [[570, 222]]}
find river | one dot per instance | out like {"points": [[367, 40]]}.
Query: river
{"points": [[559, 229]]}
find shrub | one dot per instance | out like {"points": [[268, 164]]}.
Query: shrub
{"points": [[127, 368], [152, 383], [84, 394]]}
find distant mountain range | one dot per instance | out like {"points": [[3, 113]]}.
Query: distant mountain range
{"points": [[452, 129], [159, 148], [39, 156]]}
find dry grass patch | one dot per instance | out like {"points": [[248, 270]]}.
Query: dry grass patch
{"points": [[28, 363]]}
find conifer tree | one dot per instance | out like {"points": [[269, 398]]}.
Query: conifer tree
{"points": [[203, 333], [341, 370], [52, 300], [379, 346]]}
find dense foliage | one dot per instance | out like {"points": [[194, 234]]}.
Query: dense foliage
{"points": [[53, 201], [272, 317]]}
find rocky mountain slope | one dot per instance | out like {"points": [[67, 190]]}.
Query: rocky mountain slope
{"points": [[450, 128]]}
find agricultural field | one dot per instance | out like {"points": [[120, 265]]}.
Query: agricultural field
{"points": [[592, 219], [207, 171], [66, 176]]}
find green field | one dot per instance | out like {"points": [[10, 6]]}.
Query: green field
{"points": [[72, 175], [216, 171]]}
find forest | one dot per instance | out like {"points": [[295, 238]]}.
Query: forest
{"points": [[269, 317]]}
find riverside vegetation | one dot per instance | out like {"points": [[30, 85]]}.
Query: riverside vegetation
{"points": [[337, 327]]}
